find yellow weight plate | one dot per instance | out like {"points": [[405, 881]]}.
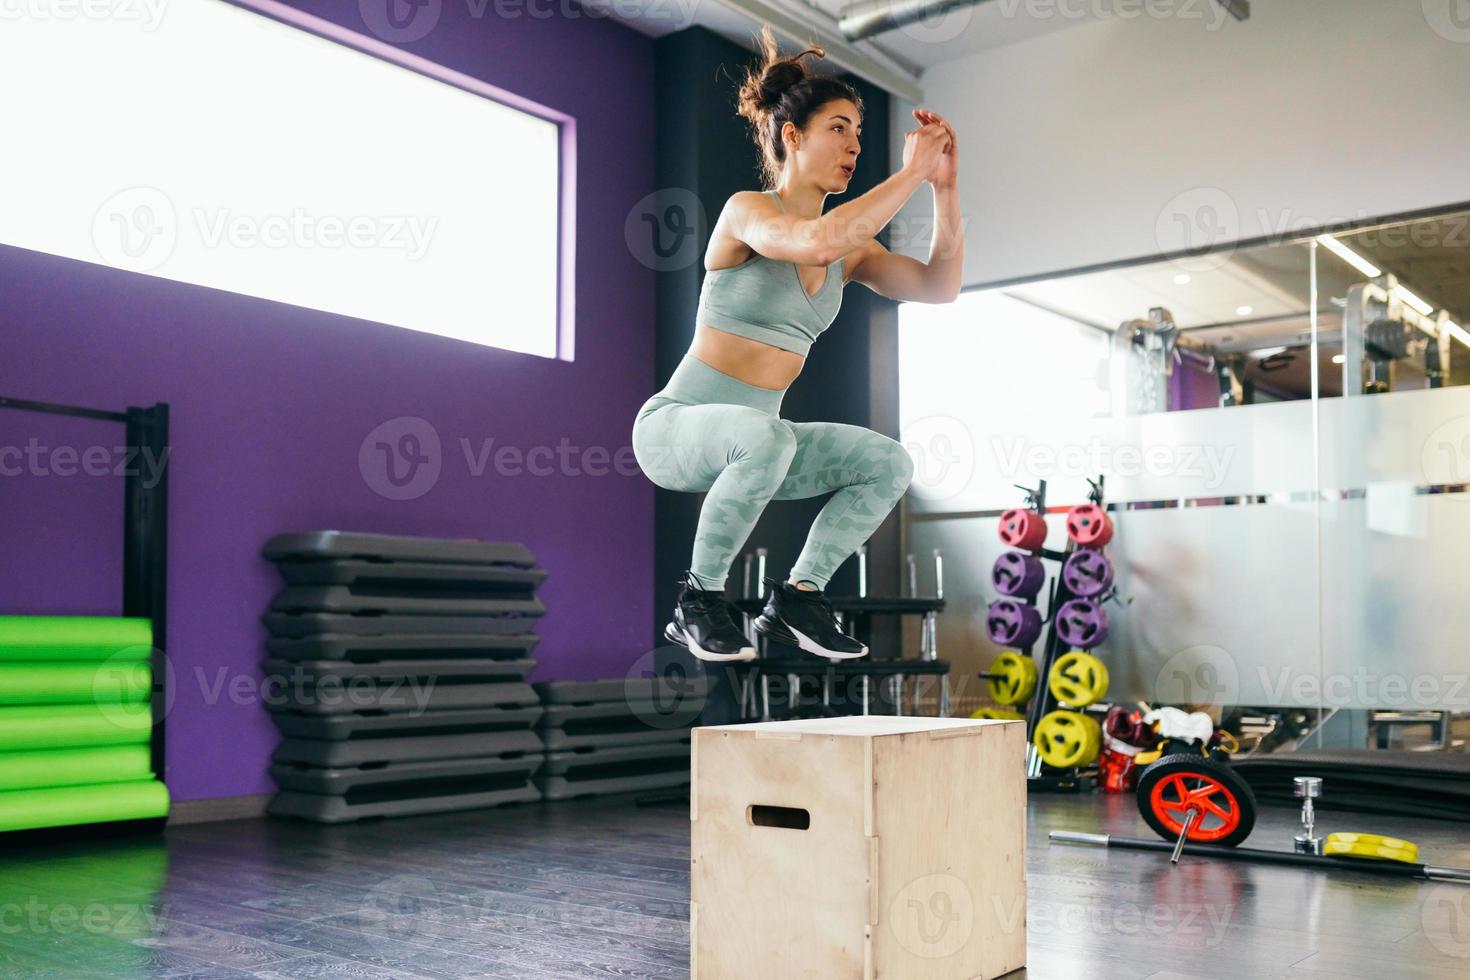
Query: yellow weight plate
{"points": [[1067, 739], [998, 714], [1016, 681], [1371, 846], [1078, 679]]}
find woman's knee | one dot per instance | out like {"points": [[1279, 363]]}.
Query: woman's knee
{"points": [[897, 464]]}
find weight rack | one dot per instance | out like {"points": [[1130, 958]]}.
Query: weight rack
{"points": [[1041, 777]]}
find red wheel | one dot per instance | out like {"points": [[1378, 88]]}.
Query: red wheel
{"points": [[1022, 529], [1089, 525], [1170, 788]]}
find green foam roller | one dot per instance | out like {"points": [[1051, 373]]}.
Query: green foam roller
{"points": [[74, 726], [74, 683], [75, 767], [75, 638], [29, 809]]}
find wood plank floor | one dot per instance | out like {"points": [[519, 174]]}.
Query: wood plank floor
{"points": [[600, 888]]}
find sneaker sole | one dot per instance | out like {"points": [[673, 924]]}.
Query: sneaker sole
{"points": [[781, 630], [675, 635]]}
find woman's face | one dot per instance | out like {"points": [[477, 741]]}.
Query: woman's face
{"points": [[829, 146]]}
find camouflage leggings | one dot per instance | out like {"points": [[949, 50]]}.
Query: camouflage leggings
{"points": [[707, 432]]}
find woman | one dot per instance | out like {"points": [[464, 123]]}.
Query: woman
{"points": [[775, 269]]}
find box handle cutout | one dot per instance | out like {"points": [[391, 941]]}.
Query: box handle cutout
{"points": [[790, 817]]}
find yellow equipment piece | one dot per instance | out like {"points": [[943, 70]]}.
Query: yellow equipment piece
{"points": [[1016, 678], [1371, 846], [1078, 679], [1067, 739]]}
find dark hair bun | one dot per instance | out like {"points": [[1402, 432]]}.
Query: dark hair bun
{"points": [[765, 84], [777, 91]]}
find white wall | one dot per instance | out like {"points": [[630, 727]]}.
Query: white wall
{"points": [[1119, 139]]}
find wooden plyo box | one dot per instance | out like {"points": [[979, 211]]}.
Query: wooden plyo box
{"points": [[863, 848]]}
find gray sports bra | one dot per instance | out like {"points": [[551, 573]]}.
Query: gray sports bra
{"points": [[763, 299]]}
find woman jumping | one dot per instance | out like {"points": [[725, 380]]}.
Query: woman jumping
{"points": [[775, 269]]}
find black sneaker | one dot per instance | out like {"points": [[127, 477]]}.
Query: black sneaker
{"points": [[704, 625], [805, 620]]}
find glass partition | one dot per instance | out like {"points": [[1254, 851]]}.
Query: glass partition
{"points": [[1181, 390], [1394, 458], [1281, 435]]}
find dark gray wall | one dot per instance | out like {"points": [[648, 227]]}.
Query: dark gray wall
{"points": [[851, 376]]}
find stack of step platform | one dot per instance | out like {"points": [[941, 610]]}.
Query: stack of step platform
{"points": [[1396, 782], [617, 736], [77, 723], [398, 667]]}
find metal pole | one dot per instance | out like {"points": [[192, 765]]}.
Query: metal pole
{"points": [[1394, 869]]}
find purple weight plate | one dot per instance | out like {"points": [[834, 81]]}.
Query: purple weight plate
{"points": [[1082, 624], [1018, 574], [1013, 624], [1087, 573]]}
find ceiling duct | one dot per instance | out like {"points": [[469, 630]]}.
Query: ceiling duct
{"points": [[873, 17]]}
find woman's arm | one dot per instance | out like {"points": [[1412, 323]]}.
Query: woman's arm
{"points": [[753, 218], [903, 278]]}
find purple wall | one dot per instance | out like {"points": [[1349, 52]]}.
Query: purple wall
{"points": [[271, 404], [1191, 386]]}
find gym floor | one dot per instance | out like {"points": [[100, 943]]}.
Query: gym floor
{"points": [[599, 888]]}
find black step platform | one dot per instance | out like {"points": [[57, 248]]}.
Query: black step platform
{"points": [[397, 668], [344, 726], [346, 670], [1385, 781], [354, 544], [407, 647], [426, 603], [402, 801], [298, 625], [330, 696], [339, 781], [412, 576], [604, 725], [624, 769], [370, 750]]}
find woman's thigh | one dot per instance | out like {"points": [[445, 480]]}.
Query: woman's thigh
{"points": [[686, 447], [831, 455]]}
